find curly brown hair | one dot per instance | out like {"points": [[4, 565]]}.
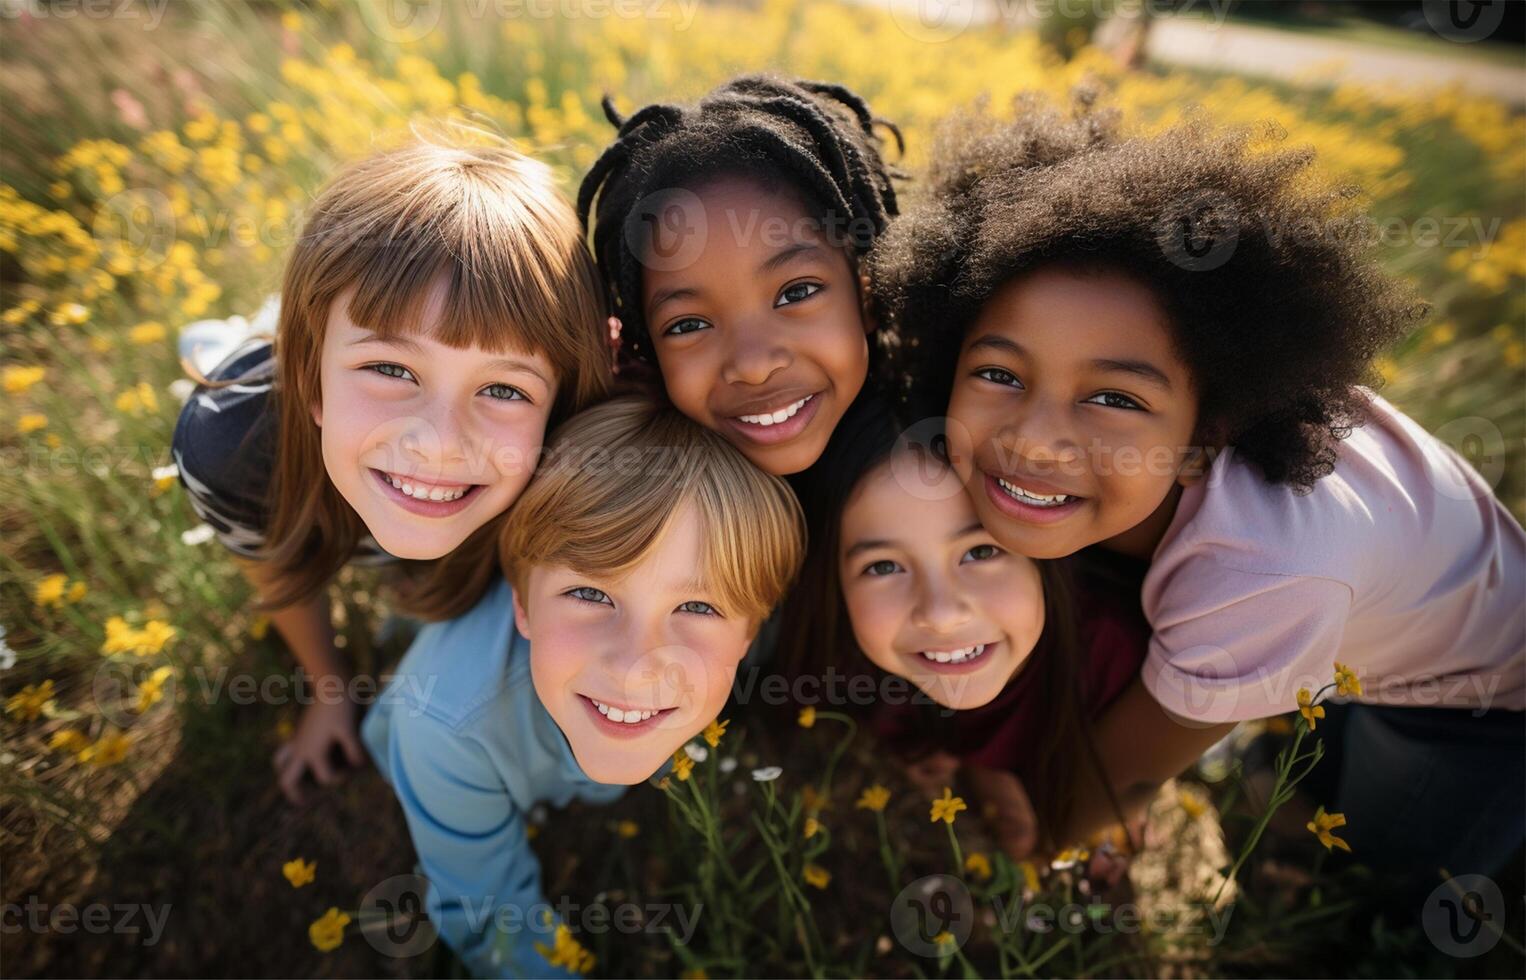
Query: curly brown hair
{"points": [[1276, 306]]}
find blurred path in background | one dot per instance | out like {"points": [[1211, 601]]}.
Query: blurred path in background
{"points": [[1300, 58]]}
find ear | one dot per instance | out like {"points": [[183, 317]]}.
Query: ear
{"points": [[521, 620], [871, 322], [317, 411]]}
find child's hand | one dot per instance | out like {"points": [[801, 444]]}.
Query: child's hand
{"points": [[931, 773], [1004, 803], [326, 739]]}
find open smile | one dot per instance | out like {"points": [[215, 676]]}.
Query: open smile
{"points": [[623, 722], [778, 424], [956, 660], [1028, 503], [425, 498]]}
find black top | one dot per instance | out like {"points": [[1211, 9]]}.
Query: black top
{"points": [[225, 449]]}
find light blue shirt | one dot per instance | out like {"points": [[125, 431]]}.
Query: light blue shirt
{"points": [[469, 748]]}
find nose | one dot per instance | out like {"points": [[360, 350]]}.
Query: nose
{"points": [[438, 437], [754, 356], [1041, 431], [939, 608], [644, 660]]}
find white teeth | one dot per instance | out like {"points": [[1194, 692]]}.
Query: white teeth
{"points": [[955, 656], [426, 493], [631, 717], [1034, 499], [774, 418]]}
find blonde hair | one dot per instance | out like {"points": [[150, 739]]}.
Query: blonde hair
{"points": [[612, 481], [492, 224]]}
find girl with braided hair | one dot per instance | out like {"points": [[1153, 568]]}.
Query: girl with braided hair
{"points": [[730, 235]]}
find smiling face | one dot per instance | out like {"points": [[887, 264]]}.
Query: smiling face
{"points": [[427, 442], [1071, 416], [932, 597], [763, 337], [631, 668]]}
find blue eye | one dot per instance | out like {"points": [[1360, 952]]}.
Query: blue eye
{"points": [[1112, 399], [797, 291], [882, 567], [689, 324], [699, 608], [999, 376], [505, 392], [587, 593], [982, 552], [392, 371]]}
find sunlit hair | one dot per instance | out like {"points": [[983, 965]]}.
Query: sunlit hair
{"points": [[491, 225], [613, 478]]}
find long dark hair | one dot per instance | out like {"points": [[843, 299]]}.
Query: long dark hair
{"points": [[816, 635]]}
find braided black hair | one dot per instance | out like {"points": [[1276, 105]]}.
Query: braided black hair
{"points": [[819, 139]]}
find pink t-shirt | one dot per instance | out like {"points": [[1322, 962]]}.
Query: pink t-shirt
{"points": [[1401, 564]]}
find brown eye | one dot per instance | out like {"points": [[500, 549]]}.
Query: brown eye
{"points": [[982, 552], [797, 291]]}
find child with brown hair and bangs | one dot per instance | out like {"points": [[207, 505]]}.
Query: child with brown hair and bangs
{"points": [[439, 312]]}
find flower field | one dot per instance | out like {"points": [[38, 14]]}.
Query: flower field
{"points": [[153, 172]]}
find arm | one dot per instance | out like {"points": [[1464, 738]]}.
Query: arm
{"points": [[330, 719], [1228, 645], [484, 893], [1140, 745]]}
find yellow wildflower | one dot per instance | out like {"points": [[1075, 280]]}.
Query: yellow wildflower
{"points": [[259, 628], [714, 731], [300, 872], [31, 701], [948, 807], [68, 315], [1070, 857], [816, 876], [682, 765], [1323, 823], [873, 798], [627, 829], [31, 423], [567, 952], [812, 827], [138, 399], [145, 333], [978, 865], [812, 801], [1191, 803], [944, 938], [18, 379], [151, 691], [327, 932], [108, 750], [76, 592], [1346, 681], [50, 590], [1030, 873], [1308, 708], [807, 716], [69, 740]]}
